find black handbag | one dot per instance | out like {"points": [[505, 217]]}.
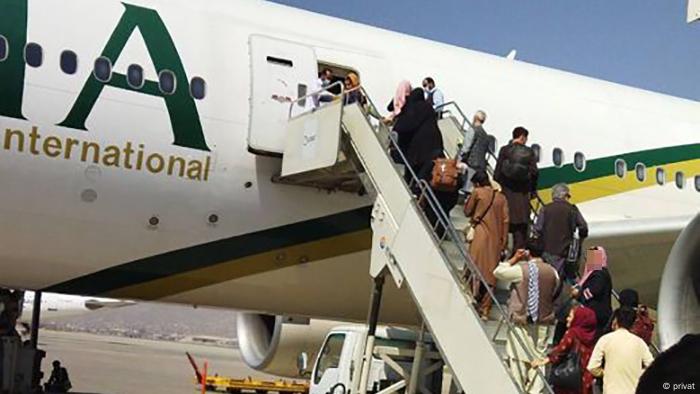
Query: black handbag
{"points": [[567, 374], [574, 253]]}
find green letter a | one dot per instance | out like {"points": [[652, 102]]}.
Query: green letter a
{"points": [[184, 118], [13, 26]]}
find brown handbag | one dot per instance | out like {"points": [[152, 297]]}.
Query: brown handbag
{"points": [[445, 175]]}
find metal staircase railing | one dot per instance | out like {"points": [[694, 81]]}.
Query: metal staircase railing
{"points": [[448, 241], [453, 109], [445, 237]]}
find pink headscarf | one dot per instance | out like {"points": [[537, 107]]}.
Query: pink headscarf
{"points": [[596, 260], [402, 92]]}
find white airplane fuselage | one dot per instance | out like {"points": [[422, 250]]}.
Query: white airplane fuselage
{"points": [[132, 193]]}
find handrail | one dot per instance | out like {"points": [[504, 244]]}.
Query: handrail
{"points": [[316, 93], [490, 155], [427, 196], [465, 119], [533, 208]]}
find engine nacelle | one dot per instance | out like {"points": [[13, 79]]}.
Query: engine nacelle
{"points": [[679, 296], [270, 345]]}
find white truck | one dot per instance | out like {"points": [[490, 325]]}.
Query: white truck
{"points": [[402, 361]]}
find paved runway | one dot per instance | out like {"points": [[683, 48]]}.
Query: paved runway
{"points": [[115, 365]]}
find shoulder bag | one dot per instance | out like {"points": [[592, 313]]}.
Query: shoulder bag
{"points": [[470, 234], [575, 247], [567, 374]]}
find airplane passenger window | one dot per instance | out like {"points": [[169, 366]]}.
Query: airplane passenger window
{"points": [[103, 69], [697, 183], [69, 62], [558, 157], [33, 55], [198, 88], [3, 48], [538, 150], [680, 180], [660, 176], [280, 61], [641, 171], [620, 168], [166, 82], [579, 161], [134, 76]]}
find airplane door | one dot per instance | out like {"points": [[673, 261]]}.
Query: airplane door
{"points": [[282, 71]]}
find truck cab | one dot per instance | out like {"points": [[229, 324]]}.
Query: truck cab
{"points": [[337, 367]]}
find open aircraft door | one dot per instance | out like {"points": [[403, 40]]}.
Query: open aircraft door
{"points": [[282, 71]]}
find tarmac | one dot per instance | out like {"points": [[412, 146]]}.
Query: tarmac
{"points": [[117, 365]]}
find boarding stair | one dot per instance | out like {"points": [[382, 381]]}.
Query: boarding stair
{"points": [[413, 238]]}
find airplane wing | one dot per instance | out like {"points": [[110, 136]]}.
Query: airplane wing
{"points": [[94, 304], [637, 251], [633, 228]]}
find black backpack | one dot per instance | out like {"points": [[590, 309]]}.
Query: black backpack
{"points": [[516, 164]]}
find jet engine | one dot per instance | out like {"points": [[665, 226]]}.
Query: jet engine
{"points": [[276, 344], [679, 295]]}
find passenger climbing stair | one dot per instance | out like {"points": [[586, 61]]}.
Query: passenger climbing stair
{"points": [[413, 238]]}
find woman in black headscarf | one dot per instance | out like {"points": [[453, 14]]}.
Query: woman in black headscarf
{"points": [[418, 122]]}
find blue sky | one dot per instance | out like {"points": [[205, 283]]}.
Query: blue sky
{"points": [[643, 43]]}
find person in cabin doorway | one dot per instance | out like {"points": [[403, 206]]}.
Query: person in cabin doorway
{"points": [[620, 357], [474, 149], [516, 171], [325, 77], [352, 90], [433, 95], [487, 210], [533, 285]]}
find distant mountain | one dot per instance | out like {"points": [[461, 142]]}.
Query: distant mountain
{"points": [[152, 321]]}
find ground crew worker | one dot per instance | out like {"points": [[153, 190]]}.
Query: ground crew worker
{"points": [[58, 382]]}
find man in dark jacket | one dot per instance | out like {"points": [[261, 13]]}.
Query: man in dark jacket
{"points": [[555, 225], [516, 171], [474, 150]]}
